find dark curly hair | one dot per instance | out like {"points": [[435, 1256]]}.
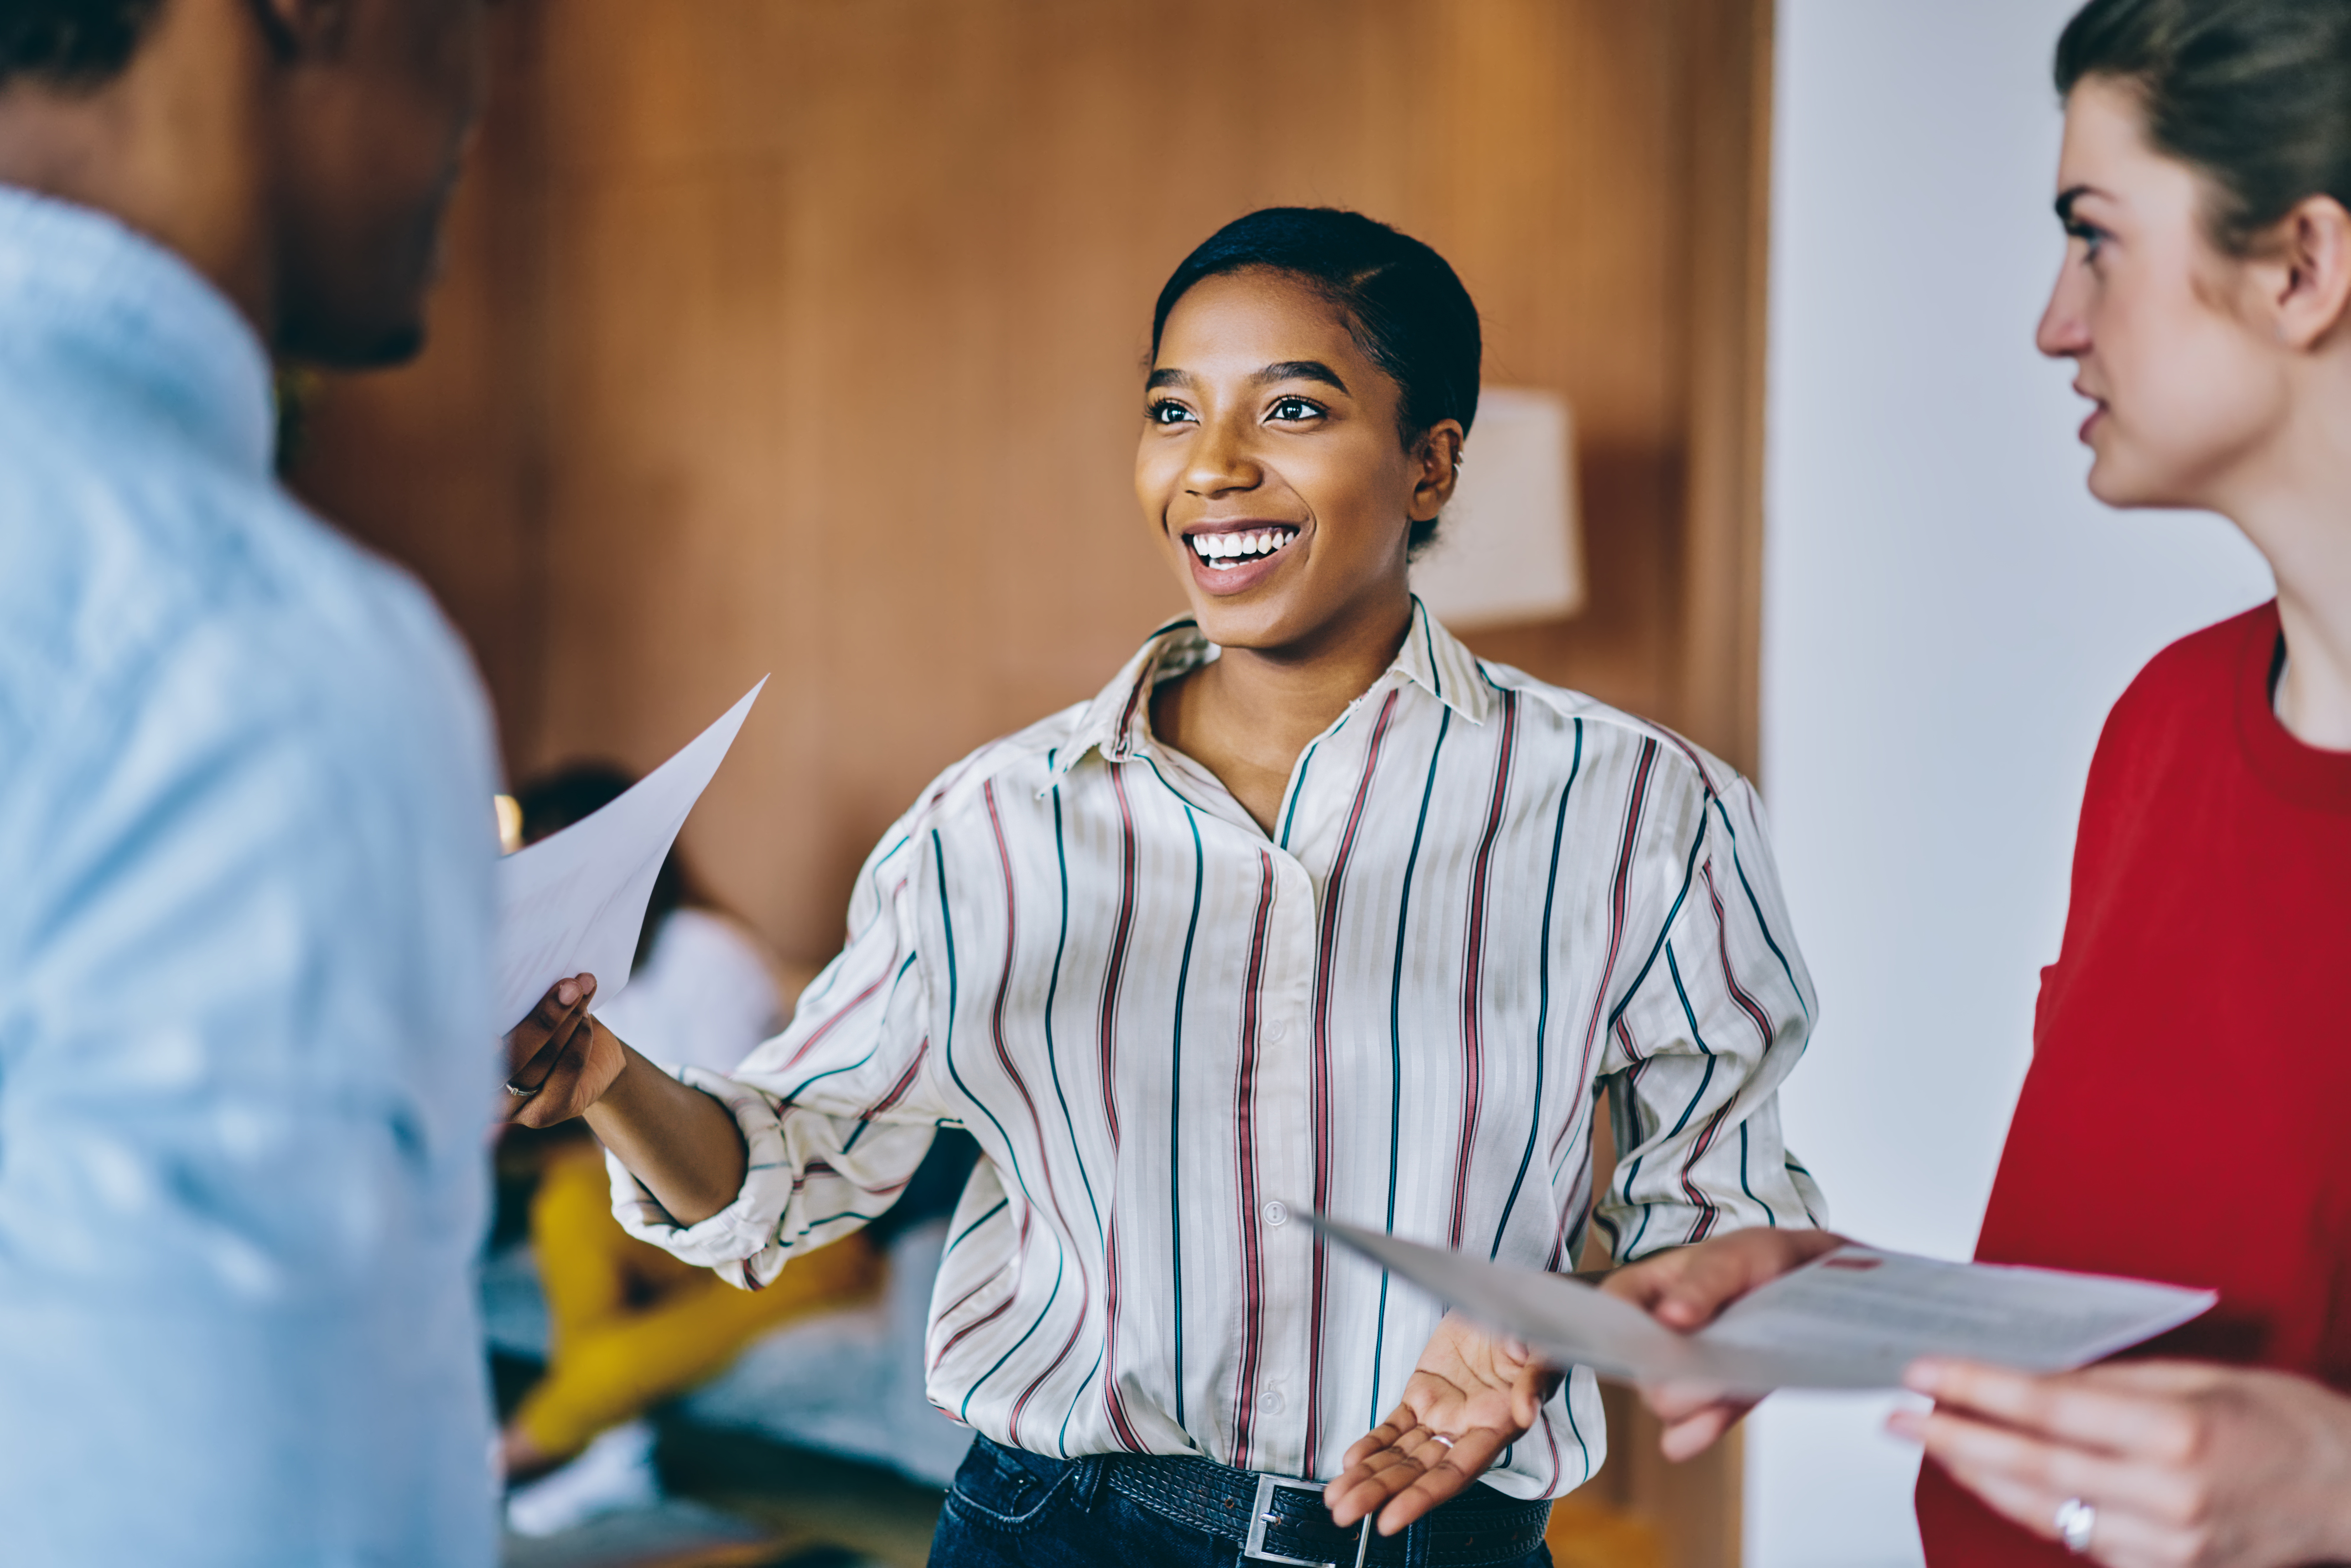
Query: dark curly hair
{"points": [[1404, 304], [70, 43], [2253, 94]]}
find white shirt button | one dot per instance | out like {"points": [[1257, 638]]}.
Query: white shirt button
{"points": [[1277, 1213], [1271, 1403], [1275, 1031]]}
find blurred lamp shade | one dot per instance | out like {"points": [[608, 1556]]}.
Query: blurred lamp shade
{"points": [[1511, 550]]}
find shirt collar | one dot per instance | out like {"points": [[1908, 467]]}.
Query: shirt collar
{"points": [[82, 294], [1117, 722]]}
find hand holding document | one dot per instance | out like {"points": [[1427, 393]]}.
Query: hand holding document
{"points": [[574, 903], [1852, 1319]]}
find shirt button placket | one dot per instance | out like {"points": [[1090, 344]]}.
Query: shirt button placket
{"points": [[1286, 1136]]}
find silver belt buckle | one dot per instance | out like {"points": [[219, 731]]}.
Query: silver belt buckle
{"points": [[1261, 1515]]}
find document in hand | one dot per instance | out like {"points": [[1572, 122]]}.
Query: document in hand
{"points": [[574, 903], [1853, 1319]]}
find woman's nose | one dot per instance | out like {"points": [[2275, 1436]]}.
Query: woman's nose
{"points": [[1221, 462], [2062, 332]]}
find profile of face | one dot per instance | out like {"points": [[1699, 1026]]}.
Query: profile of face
{"points": [[377, 101], [1270, 466], [2178, 343]]}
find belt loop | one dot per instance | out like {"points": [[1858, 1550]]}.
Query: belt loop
{"points": [[1091, 1469]]}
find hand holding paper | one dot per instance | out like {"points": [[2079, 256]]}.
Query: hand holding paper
{"points": [[574, 905], [1853, 1319], [1686, 1287]]}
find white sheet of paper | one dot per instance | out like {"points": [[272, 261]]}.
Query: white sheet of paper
{"points": [[574, 903], [1853, 1319]]}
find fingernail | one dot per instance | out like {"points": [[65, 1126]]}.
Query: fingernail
{"points": [[566, 993], [1908, 1424], [1922, 1376], [589, 982]]}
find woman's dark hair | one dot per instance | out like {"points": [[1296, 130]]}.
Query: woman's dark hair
{"points": [[2253, 94], [1404, 305], [71, 43], [553, 801]]}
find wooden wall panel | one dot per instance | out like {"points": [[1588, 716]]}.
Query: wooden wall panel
{"points": [[848, 303], [802, 336]]}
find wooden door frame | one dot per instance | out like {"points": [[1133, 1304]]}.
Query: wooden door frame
{"points": [[1730, 83]]}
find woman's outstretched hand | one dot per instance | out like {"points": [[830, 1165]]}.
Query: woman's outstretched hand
{"points": [[1686, 1288], [1473, 1394], [558, 1061]]}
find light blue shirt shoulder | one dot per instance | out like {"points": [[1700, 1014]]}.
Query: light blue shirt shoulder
{"points": [[245, 1049]]}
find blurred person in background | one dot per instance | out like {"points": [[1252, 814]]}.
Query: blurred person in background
{"points": [[247, 1041], [2183, 1117], [628, 1324]]}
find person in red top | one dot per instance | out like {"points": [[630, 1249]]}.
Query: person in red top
{"points": [[2185, 1117]]}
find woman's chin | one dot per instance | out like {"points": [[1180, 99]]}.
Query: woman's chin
{"points": [[2123, 486], [1257, 621]]}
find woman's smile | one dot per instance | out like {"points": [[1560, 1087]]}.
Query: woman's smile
{"points": [[1229, 557]]}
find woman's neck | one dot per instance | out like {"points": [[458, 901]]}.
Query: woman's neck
{"points": [[1247, 715], [2301, 522], [2314, 694]]}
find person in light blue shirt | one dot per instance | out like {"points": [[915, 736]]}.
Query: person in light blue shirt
{"points": [[246, 1048]]}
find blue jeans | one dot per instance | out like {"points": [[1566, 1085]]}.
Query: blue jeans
{"points": [[1010, 1508]]}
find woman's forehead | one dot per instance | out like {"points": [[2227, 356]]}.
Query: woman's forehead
{"points": [[1239, 322], [2106, 148]]}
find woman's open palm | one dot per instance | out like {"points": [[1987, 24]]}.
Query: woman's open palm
{"points": [[1473, 1394]]}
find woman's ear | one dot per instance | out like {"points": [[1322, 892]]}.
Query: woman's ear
{"points": [[1437, 468], [2308, 275]]}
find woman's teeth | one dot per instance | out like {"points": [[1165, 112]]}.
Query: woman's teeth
{"points": [[1225, 551]]}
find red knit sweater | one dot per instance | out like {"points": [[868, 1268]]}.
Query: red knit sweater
{"points": [[2187, 1116]]}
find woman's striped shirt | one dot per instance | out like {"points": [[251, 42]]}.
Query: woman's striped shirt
{"points": [[1485, 899]]}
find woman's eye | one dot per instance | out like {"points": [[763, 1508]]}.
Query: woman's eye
{"points": [[1292, 409], [2092, 239], [1167, 413]]}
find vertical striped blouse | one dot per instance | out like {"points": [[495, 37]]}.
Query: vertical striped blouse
{"points": [[1486, 900]]}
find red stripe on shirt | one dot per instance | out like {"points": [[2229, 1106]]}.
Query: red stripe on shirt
{"points": [[1325, 956]]}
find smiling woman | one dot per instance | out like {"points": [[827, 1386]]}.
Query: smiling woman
{"points": [[1308, 907]]}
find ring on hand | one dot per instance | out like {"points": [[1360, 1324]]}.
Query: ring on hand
{"points": [[1441, 1437], [2075, 1520], [519, 1092]]}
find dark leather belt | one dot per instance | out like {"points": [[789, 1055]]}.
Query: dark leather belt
{"points": [[1277, 1519]]}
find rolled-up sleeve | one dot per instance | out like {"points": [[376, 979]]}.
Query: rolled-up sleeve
{"points": [[1714, 1017], [836, 1112]]}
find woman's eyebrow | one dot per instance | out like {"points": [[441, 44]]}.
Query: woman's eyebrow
{"points": [[2066, 198], [1299, 370], [1168, 378]]}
